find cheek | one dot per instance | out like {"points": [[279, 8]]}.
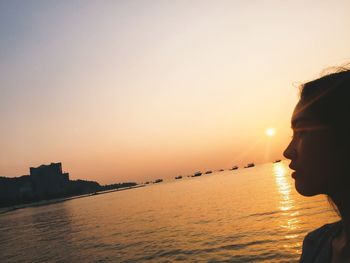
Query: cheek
{"points": [[319, 166], [317, 152]]}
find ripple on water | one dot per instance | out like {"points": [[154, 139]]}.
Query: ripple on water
{"points": [[248, 217]]}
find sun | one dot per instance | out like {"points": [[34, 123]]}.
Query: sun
{"points": [[270, 132]]}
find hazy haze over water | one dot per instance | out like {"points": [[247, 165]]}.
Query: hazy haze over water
{"points": [[247, 215]]}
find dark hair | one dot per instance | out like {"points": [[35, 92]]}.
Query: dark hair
{"points": [[328, 96], [328, 100]]}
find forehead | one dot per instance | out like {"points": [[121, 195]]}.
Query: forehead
{"points": [[301, 114]]}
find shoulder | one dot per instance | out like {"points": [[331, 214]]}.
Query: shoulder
{"points": [[324, 231], [318, 241]]}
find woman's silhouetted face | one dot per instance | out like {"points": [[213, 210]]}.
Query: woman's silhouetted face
{"points": [[312, 152]]}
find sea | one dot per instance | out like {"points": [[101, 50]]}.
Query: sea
{"points": [[244, 215]]}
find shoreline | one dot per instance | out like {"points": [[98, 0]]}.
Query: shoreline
{"points": [[59, 200]]}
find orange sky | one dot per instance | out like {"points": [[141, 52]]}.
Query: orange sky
{"points": [[137, 90]]}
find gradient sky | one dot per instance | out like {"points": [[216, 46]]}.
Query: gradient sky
{"points": [[137, 90]]}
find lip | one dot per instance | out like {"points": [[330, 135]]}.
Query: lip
{"points": [[292, 167]]}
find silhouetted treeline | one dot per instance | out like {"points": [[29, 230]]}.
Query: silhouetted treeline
{"points": [[80, 187], [116, 186]]}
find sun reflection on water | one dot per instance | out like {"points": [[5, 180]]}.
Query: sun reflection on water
{"points": [[290, 217], [284, 187]]}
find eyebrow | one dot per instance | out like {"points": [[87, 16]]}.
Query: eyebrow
{"points": [[296, 121]]}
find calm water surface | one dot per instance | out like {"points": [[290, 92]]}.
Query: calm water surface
{"points": [[247, 215]]}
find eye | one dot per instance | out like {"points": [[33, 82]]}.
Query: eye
{"points": [[298, 133]]}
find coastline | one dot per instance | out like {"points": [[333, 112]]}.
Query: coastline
{"points": [[4, 210]]}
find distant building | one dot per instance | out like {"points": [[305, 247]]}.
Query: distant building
{"points": [[44, 182], [53, 169], [48, 179]]}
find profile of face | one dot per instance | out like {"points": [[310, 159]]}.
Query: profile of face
{"points": [[312, 152]]}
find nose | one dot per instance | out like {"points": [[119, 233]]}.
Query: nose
{"points": [[290, 152]]}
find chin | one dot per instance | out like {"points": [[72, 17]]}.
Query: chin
{"points": [[304, 190]]}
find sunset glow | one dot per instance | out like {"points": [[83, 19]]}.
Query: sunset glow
{"points": [[127, 90], [270, 132]]}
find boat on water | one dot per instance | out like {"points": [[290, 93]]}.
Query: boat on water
{"points": [[158, 181], [197, 174], [221, 170], [208, 172], [277, 161], [234, 168], [249, 165], [178, 177]]}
